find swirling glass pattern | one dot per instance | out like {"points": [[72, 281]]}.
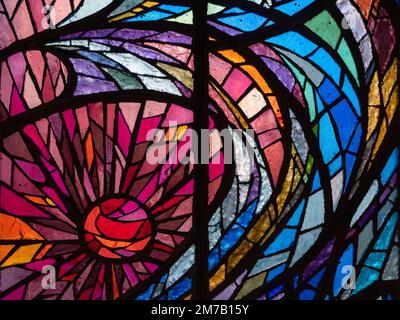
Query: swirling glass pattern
{"points": [[293, 194]]}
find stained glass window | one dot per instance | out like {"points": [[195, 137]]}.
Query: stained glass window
{"points": [[178, 150]]}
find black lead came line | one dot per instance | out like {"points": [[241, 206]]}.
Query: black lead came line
{"points": [[200, 195]]}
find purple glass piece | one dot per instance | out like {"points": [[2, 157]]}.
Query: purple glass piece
{"points": [[225, 29], [187, 93], [384, 195], [172, 37], [98, 33], [72, 36], [263, 50], [350, 234], [87, 68], [147, 53], [131, 34], [282, 73], [255, 191], [108, 42], [227, 293], [88, 85], [367, 215], [393, 180], [319, 260]]}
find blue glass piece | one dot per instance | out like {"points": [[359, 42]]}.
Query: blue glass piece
{"points": [[213, 259], [275, 272], [346, 121], [146, 295], [283, 241], [383, 213], [149, 16], [269, 23], [314, 281], [180, 289], [387, 233], [245, 22], [173, 8], [320, 104], [345, 260], [335, 166], [350, 160], [294, 7], [350, 93], [231, 238], [247, 215], [365, 279], [295, 219], [275, 291], [325, 61], [327, 139], [296, 281], [328, 91], [293, 41], [307, 294], [234, 10], [375, 260], [390, 166], [316, 182], [355, 142]]}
